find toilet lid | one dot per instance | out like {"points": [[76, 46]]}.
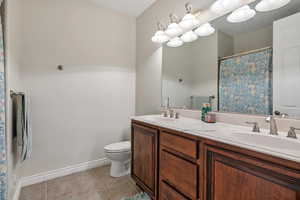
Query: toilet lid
{"points": [[118, 147]]}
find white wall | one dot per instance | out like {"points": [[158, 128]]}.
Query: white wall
{"points": [[149, 55], [76, 112], [225, 45], [253, 40], [13, 82], [205, 67]]}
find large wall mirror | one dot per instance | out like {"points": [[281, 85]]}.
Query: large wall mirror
{"points": [[252, 67]]}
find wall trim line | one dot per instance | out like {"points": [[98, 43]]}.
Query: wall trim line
{"points": [[45, 176]]}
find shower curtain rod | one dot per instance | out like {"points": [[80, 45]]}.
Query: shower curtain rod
{"points": [[245, 53]]}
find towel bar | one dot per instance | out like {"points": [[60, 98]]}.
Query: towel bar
{"points": [[12, 93]]}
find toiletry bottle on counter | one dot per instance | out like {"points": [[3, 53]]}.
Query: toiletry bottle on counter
{"points": [[205, 110], [206, 115], [210, 118], [209, 108]]}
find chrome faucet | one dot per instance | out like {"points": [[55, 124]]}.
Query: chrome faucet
{"points": [[171, 113], [165, 113], [168, 102], [273, 125], [292, 133], [256, 128], [168, 111]]}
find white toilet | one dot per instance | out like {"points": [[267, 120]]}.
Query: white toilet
{"points": [[119, 154]]}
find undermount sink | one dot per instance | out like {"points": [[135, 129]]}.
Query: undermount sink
{"points": [[273, 142]]}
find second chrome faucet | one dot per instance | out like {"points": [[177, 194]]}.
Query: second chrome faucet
{"points": [[256, 128], [273, 126]]}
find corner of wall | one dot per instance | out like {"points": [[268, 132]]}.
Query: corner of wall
{"points": [[12, 67]]}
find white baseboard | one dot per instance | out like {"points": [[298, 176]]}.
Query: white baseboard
{"points": [[17, 191], [41, 177]]}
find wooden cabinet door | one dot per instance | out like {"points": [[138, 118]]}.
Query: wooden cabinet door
{"points": [[231, 176], [144, 156]]}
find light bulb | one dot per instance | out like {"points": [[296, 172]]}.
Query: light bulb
{"points": [[173, 30], [222, 6], [189, 36], [160, 37], [175, 42], [242, 14], [205, 30], [189, 22], [268, 5]]}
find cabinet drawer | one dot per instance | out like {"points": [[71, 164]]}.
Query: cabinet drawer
{"points": [[179, 173], [168, 193], [180, 144]]}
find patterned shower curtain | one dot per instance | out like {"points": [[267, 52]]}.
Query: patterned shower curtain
{"points": [[3, 158], [245, 84]]}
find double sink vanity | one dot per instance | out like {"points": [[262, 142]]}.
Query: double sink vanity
{"points": [[250, 69], [187, 159]]}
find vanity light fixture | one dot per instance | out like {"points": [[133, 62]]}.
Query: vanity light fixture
{"points": [[222, 6], [189, 21], [189, 36], [175, 42], [173, 29], [205, 30], [242, 14], [268, 5], [160, 36]]}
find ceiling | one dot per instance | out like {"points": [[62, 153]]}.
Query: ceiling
{"points": [[130, 7], [137, 7], [261, 20]]}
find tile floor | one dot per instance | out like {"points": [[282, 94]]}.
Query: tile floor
{"points": [[95, 184]]}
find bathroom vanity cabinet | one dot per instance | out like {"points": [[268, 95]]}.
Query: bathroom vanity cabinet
{"points": [[172, 165], [144, 157]]}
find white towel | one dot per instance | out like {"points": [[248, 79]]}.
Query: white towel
{"points": [[27, 135], [22, 128]]}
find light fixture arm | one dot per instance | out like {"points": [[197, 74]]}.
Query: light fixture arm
{"points": [[160, 26], [189, 7], [173, 18]]}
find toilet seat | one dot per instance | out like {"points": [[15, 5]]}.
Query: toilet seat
{"points": [[118, 147]]}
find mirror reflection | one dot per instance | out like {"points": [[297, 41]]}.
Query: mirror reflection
{"points": [[190, 74], [250, 67]]}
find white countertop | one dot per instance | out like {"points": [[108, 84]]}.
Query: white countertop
{"points": [[241, 136]]}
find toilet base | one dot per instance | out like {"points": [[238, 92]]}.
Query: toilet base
{"points": [[119, 169]]}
